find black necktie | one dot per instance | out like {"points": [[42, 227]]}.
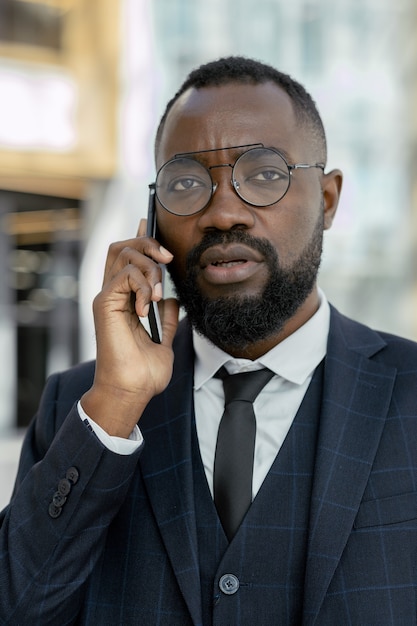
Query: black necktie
{"points": [[233, 463]]}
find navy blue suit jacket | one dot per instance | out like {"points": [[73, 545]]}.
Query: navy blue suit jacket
{"points": [[123, 550]]}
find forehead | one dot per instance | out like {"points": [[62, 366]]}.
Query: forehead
{"points": [[230, 115]]}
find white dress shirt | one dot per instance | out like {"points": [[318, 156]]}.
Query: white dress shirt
{"points": [[293, 362]]}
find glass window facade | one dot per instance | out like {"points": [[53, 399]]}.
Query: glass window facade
{"points": [[358, 61]]}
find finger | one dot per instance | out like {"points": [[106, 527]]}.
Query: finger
{"points": [[147, 246], [128, 291], [169, 310], [142, 227], [143, 253], [130, 257]]}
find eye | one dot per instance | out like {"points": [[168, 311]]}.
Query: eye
{"points": [[266, 175], [182, 178], [186, 183], [270, 175]]}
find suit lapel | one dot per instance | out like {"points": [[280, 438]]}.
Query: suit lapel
{"points": [[356, 396], [166, 464]]}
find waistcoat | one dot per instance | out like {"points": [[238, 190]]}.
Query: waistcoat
{"points": [[258, 579]]}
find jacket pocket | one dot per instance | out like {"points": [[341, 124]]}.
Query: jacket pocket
{"points": [[392, 510]]}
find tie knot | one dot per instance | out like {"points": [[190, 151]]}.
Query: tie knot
{"points": [[244, 386]]}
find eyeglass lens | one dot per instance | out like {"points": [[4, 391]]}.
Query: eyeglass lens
{"points": [[260, 177]]}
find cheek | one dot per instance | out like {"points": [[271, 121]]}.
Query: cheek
{"points": [[174, 235], [291, 229]]}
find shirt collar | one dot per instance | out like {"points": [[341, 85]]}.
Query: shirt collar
{"points": [[293, 359]]}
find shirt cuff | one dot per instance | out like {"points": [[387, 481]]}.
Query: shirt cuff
{"points": [[119, 445]]}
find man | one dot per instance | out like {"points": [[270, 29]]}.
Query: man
{"points": [[105, 529]]}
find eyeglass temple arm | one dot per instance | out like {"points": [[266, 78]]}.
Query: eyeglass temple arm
{"points": [[305, 166]]}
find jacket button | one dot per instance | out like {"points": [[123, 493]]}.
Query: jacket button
{"points": [[64, 486], [58, 499], [54, 511], [229, 584], [72, 475]]}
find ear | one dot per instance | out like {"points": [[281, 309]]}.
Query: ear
{"points": [[331, 187]]}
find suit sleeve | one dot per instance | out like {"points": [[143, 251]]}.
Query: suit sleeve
{"points": [[69, 488]]}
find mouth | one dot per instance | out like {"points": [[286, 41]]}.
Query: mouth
{"points": [[228, 264], [229, 256]]}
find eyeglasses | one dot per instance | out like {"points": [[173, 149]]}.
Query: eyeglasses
{"points": [[260, 176]]}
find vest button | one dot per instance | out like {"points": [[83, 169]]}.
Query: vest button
{"points": [[229, 584]]}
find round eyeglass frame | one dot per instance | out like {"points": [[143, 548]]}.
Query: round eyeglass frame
{"points": [[234, 183]]}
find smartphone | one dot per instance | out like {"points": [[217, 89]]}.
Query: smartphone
{"points": [[154, 319]]}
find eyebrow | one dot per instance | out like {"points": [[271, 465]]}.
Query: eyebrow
{"points": [[236, 152], [283, 153]]}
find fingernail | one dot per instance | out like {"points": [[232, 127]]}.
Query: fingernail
{"points": [[165, 252], [145, 310], [157, 290]]}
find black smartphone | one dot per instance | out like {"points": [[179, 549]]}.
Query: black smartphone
{"points": [[154, 320]]}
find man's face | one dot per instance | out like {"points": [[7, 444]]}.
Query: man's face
{"points": [[245, 274]]}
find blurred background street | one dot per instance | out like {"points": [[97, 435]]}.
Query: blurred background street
{"points": [[82, 86]]}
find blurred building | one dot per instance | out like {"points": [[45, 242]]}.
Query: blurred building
{"points": [[59, 75], [82, 83], [358, 59]]}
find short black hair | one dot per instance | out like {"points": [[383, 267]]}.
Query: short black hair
{"points": [[243, 70]]}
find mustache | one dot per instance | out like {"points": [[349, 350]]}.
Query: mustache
{"points": [[232, 236]]}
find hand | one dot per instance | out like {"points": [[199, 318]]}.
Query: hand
{"points": [[130, 367]]}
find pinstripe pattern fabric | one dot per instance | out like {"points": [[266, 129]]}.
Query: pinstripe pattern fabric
{"points": [[125, 550], [360, 555], [268, 552]]}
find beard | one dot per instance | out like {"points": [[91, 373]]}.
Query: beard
{"points": [[237, 321]]}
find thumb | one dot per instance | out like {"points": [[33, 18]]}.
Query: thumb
{"points": [[169, 310], [142, 228]]}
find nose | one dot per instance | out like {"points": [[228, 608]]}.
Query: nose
{"points": [[226, 210]]}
